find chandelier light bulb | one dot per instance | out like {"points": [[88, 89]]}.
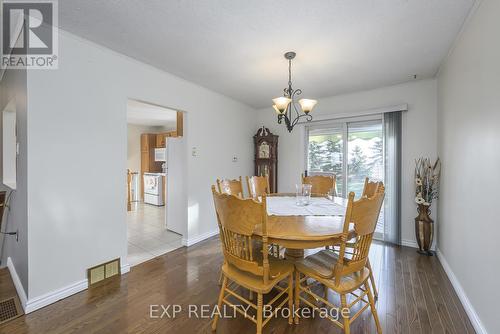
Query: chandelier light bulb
{"points": [[281, 103], [277, 110], [307, 105]]}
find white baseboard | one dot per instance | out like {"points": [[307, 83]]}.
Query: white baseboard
{"points": [[413, 244], [17, 283], [409, 243], [30, 305], [469, 309], [54, 296], [125, 268], [191, 241]]}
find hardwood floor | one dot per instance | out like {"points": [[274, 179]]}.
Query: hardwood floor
{"points": [[415, 296]]}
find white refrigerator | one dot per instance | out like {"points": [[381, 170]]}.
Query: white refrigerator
{"points": [[177, 203]]}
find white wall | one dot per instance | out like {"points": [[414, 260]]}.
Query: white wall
{"points": [[9, 145], [13, 89], [469, 142], [419, 135], [77, 150]]}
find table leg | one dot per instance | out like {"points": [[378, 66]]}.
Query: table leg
{"points": [[293, 255]]}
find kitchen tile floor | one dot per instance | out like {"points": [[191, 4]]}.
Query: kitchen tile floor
{"points": [[147, 235]]}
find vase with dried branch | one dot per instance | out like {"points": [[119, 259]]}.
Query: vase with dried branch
{"points": [[427, 177]]}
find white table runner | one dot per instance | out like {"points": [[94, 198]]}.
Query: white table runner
{"points": [[319, 206]]}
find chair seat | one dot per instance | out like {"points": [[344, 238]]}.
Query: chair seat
{"points": [[321, 263], [320, 267], [279, 269]]}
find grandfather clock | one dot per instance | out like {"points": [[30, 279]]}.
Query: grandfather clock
{"points": [[266, 156]]}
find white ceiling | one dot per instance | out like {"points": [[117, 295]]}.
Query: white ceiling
{"points": [[235, 47], [140, 113]]}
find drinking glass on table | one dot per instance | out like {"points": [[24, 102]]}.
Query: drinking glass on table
{"points": [[303, 194], [306, 193]]}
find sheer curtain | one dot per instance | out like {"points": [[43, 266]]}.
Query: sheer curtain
{"points": [[392, 203]]}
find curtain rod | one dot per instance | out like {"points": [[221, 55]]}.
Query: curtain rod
{"points": [[382, 110]]}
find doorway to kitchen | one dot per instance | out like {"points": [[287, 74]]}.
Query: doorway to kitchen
{"points": [[151, 129]]}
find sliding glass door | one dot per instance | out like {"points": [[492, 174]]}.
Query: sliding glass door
{"points": [[352, 150], [326, 154], [365, 154]]}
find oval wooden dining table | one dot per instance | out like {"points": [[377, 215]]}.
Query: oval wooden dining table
{"points": [[308, 231]]}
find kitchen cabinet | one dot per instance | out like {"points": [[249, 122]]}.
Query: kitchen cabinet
{"points": [[180, 124], [145, 163], [161, 140], [145, 142], [148, 145]]}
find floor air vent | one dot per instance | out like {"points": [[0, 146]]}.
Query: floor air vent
{"points": [[10, 309], [101, 272]]}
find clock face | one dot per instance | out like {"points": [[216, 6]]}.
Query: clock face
{"points": [[264, 150]]}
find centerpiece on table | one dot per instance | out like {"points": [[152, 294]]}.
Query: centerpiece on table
{"points": [[426, 190]]}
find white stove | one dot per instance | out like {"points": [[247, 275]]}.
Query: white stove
{"points": [[153, 188]]}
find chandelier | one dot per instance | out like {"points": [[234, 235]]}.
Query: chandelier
{"points": [[286, 105]]}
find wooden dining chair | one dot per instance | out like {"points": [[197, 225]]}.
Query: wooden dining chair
{"points": [[321, 184], [245, 267], [347, 276], [370, 188], [258, 186], [230, 187]]}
